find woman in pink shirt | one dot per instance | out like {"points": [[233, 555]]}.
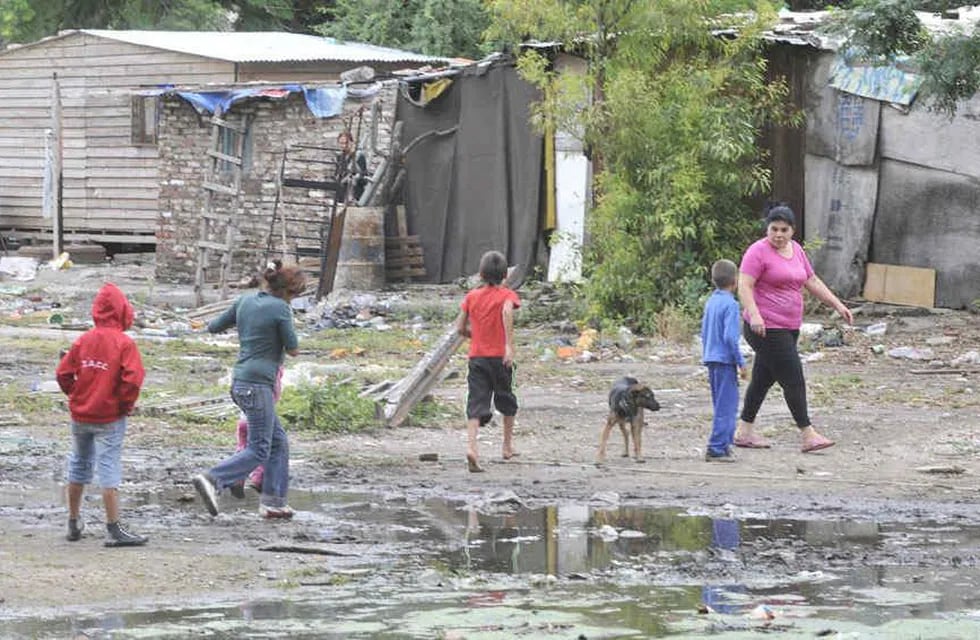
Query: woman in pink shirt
{"points": [[772, 276]]}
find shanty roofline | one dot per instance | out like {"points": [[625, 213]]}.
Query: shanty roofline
{"points": [[801, 27], [258, 46]]}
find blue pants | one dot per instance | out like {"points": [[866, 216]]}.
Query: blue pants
{"points": [[267, 445], [724, 399], [97, 447]]}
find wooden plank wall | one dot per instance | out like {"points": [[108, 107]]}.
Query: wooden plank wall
{"points": [[110, 184]]}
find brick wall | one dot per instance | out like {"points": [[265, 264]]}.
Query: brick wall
{"points": [[275, 125]]}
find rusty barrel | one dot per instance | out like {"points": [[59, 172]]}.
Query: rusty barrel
{"points": [[361, 262]]}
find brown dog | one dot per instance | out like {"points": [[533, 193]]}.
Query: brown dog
{"points": [[627, 400]]}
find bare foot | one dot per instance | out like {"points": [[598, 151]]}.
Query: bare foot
{"points": [[512, 454], [473, 464]]}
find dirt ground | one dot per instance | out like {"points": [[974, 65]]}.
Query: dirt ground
{"points": [[906, 432]]}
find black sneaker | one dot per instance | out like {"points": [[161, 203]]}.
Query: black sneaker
{"points": [[209, 493], [237, 490], [75, 528], [119, 537], [725, 457]]}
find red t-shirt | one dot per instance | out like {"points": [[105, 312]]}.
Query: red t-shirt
{"points": [[484, 306]]}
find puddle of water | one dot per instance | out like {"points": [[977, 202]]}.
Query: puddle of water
{"points": [[572, 570]]}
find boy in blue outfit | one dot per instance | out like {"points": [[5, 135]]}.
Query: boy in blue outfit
{"points": [[720, 331]]}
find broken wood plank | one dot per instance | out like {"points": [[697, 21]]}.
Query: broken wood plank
{"points": [[307, 549], [939, 372]]}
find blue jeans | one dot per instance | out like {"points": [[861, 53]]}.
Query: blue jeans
{"points": [[724, 398], [267, 445], [97, 446]]}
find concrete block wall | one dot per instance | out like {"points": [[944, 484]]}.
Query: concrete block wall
{"points": [[184, 139]]}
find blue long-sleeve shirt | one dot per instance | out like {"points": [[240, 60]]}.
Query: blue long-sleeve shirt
{"points": [[721, 329]]}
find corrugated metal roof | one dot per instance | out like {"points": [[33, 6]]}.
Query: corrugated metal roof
{"points": [[263, 46]]}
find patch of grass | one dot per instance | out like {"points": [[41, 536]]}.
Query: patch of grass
{"points": [[35, 350], [433, 412], [836, 388], [364, 342], [674, 324], [16, 400], [330, 407], [545, 303]]}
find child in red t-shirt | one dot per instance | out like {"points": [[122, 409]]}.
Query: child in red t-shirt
{"points": [[487, 318]]}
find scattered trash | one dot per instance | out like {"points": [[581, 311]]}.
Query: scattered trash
{"points": [[568, 353], [625, 338], [19, 268], [428, 457], [814, 357], [607, 533], [911, 353], [970, 357], [587, 339], [877, 329], [63, 261], [831, 338], [810, 329], [938, 341], [762, 612], [878, 349]]}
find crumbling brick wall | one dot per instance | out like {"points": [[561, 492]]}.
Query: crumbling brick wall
{"points": [[184, 140]]}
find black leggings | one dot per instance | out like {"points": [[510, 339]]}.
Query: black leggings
{"points": [[776, 360]]}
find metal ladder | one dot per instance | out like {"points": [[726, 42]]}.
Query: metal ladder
{"points": [[305, 219], [218, 230]]}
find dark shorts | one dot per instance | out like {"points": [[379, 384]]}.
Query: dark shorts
{"points": [[489, 380]]}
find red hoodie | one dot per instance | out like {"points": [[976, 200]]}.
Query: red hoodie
{"points": [[102, 373]]}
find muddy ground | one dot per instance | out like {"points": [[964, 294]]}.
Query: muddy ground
{"points": [[906, 431]]}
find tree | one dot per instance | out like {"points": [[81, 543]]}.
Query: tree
{"points": [[890, 31], [26, 21], [676, 118], [435, 27]]}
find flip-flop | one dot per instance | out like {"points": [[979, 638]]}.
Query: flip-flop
{"points": [[752, 442], [817, 444], [473, 465]]}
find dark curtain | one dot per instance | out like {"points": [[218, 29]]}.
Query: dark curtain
{"points": [[473, 184]]}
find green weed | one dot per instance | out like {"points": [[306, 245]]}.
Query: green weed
{"points": [[331, 407]]}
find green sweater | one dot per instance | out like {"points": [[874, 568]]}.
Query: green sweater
{"points": [[265, 333]]}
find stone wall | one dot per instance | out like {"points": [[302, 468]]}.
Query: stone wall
{"points": [[275, 125]]}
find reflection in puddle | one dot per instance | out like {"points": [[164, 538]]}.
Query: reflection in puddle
{"points": [[572, 570]]}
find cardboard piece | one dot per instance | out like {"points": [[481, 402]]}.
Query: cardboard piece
{"points": [[895, 284]]}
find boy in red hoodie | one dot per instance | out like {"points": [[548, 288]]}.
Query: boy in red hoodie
{"points": [[102, 375]]}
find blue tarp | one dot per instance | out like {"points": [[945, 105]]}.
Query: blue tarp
{"points": [[886, 83], [323, 102]]}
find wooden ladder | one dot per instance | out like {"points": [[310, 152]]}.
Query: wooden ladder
{"points": [[217, 231]]}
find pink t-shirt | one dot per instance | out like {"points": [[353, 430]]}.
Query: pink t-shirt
{"points": [[778, 283]]}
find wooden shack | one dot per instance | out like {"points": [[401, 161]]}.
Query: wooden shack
{"points": [[92, 86]]}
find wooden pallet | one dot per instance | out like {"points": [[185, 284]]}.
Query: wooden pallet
{"points": [[404, 258]]}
